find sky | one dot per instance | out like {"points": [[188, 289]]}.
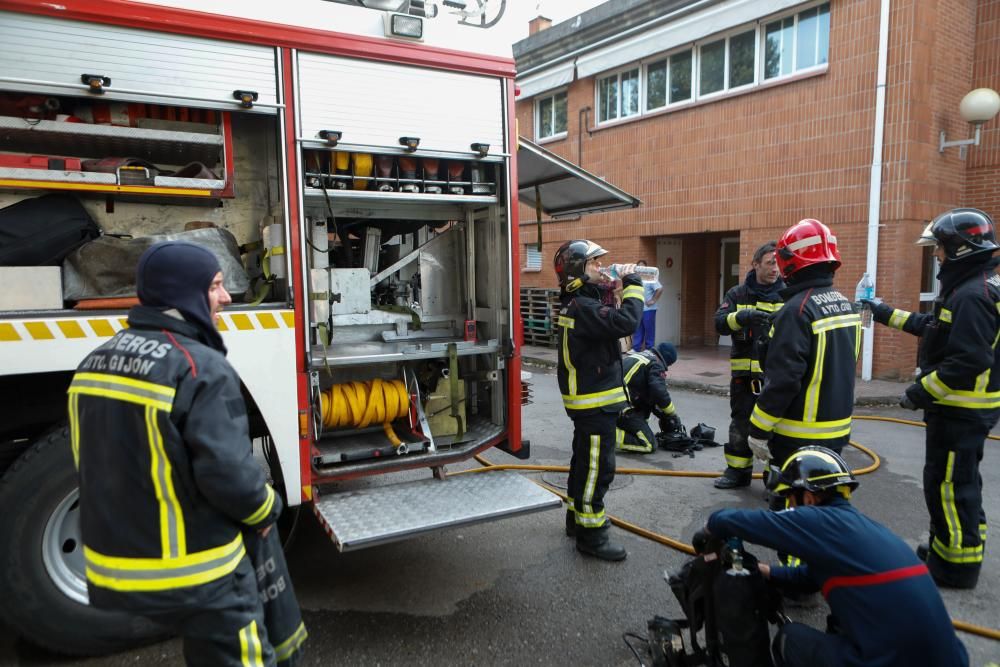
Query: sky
{"points": [[557, 10]]}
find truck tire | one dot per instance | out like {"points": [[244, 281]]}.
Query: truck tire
{"points": [[42, 581]]}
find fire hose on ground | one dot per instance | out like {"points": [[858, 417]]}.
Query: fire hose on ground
{"points": [[989, 633]]}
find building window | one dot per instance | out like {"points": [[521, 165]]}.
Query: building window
{"points": [[797, 42], [551, 116], [618, 95], [712, 72], [532, 258], [928, 276], [741, 58], [668, 81]]}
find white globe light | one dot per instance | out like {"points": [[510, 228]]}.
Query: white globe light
{"points": [[980, 105]]}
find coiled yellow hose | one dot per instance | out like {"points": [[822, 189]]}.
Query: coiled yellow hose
{"points": [[361, 404]]}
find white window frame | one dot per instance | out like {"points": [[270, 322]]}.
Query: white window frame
{"points": [[762, 43], [726, 38], [617, 75], [533, 260], [666, 58], [538, 117]]}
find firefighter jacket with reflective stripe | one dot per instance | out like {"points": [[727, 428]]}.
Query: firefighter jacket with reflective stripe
{"points": [[808, 391], [590, 359], [646, 381], [889, 609], [744, 358], [959, 360], [167, 479]]}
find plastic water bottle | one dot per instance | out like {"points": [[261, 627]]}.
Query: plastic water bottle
{"points": [[647, 273], [865, 290], [735, 548]]}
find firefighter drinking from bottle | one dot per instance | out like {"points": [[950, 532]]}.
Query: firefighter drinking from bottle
{"points": [[958, 388], [590, 381]]}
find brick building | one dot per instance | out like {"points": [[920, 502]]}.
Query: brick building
{"points": [[733, 119]]}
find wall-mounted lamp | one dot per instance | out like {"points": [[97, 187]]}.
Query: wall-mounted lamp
{"points": [[96, 83], [410, 143], [482, 150], [976, 108], [331, 136]]}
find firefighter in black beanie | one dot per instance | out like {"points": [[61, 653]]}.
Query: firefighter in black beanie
{"points": [[590, 380], [958, 388]]}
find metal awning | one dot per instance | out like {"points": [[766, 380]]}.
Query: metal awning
{"points": [[564, 188]]}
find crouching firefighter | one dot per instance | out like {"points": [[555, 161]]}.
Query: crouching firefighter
{"points": [[885, 607], [808, 391], [745, 315], [590, 380], [168, 482], [958, 388], [646, 382]]}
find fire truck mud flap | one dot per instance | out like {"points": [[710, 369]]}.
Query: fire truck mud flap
{"points": [[382, 514]]}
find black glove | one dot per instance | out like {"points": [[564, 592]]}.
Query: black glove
{"points": [[916, 398], [704, 542], [881, 311], [905, 402], [751, 317]]}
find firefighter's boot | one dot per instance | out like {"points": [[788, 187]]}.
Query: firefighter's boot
{"points": [[734, 478], [570, 523], [922, 550], [596, 542]]}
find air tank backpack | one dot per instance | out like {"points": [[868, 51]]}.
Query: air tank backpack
{"points": [[723, 593]]}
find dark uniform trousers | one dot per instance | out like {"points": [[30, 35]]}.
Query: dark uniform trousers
{"points": [[592, 467], [226, 630], [741, 402], [953, 489], [634, 433], [799, 645]]}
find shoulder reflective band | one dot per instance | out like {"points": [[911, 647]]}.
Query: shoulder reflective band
{"points": [[874, 579]]}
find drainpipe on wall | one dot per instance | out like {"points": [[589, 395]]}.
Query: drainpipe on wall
{"points": [[875, 187]]}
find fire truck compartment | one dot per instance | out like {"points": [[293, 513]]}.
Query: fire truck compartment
{"points": [[376, 515]]}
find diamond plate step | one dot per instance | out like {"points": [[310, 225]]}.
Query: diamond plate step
{"points": [[372, 516]]}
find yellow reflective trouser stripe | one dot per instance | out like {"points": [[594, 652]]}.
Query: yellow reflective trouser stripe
{"points": [[811, 404], [640, 361], [820, 430], [123, 389], [634, 292], [669, 410], [263, 510], [945, 315], [250, 649], [587, 517], [629, 447], [751, 365], [172, 533], [837, 322], [949, 508], [74, 428], [761, 419], [595, 400], [160, 574], [898, 318], [731, 321], [285, 649], [734, 461]]}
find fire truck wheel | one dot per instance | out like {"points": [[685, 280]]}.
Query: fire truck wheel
{"points": [[41, 559]]}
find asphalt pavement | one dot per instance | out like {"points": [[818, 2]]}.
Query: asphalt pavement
{"points": [[516, 592]]}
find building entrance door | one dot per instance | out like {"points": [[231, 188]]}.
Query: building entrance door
{"points": [[730, 274], [668, 311]]}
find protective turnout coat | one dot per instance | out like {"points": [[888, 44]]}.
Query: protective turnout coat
{"points": [[744, 354], [808, 393], [646, 381], [590, 360], [889, 610], [165, 412]]}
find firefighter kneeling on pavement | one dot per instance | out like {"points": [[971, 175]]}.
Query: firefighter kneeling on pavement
{"points": [[646, 383], [958, 388], [590, 381], [885, 609]]}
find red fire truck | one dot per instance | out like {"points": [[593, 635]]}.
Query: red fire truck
{"points": [[356, 160]]}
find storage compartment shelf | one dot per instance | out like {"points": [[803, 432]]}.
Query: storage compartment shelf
{"points": [[90, 180], [366, 353], [87, 140]]}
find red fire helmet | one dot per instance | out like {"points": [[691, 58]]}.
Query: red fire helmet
{"points": [[807, 242]]}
